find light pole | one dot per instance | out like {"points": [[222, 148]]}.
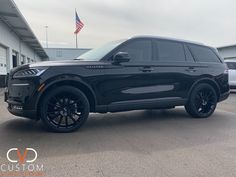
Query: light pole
{"points": [[46, 29]]}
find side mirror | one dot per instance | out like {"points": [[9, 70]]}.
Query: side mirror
{"points": [[121, 57]]}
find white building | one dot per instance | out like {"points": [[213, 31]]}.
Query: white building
{"points": [[228, 52], [18, 44], [64, 53]]}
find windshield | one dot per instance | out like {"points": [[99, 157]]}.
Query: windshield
{"points": [[99, 53]]}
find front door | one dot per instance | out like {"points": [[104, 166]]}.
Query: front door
{"points": [[134, 80]]}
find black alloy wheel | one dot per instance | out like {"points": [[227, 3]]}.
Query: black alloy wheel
{"points": [[202, 101], [64, 109]]}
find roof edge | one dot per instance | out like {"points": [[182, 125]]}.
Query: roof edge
{"points": [[167, 38]]}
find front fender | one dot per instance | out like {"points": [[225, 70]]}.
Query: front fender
{"points": [[65, 79]]}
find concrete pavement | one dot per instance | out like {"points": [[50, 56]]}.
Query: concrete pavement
{"points": [[137, 143]]}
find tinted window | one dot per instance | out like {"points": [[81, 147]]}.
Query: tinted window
{"points": [[204, 54], [139, 51], [231, 65], [170, 51]]}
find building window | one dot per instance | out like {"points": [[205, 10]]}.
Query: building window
{"points": [[14, 59], [22, 59]]}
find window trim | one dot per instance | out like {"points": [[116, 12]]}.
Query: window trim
{"points": [[187, 45]]}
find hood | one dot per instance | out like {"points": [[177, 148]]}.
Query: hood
{"points": [[65, 63], [57, 63]]}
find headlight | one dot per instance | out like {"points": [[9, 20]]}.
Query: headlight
{"points": [[29, 72]]}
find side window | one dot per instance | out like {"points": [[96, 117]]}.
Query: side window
{"points": [[169, 51], [231, 65], [139, 51], [204, 54]]}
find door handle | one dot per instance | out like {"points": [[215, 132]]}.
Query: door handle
{"points": [[191, 69], [146, 69]]}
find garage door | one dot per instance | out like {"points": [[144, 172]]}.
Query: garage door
{"points": [[3, 59]]}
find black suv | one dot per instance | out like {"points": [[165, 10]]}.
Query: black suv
{"points": [[143, 72]]}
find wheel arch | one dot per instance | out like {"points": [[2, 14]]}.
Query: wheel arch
{"points": [[209, 81], [77, 83]]}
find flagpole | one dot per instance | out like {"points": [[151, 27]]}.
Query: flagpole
{"points": [[76, 41], [76, 37], [79, 25]]}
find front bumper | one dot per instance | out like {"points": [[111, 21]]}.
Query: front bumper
{"points": [[17, 109], [21, 96]]}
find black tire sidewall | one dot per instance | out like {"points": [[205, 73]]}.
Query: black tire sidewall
{"points": [[190, 106], [56, 91]]}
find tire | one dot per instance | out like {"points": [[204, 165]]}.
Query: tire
{"points": [[202, 101], [64, 109]]}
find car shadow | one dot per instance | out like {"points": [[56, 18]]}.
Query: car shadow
{"points": [[134, 131], [22, 125]]}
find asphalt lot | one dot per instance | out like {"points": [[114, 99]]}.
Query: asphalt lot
{"points": [[138, 143]]}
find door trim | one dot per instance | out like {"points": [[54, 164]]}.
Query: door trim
{"points": [[155, 103]]}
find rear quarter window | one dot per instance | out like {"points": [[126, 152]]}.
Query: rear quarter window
{"points": [[204, 54]]}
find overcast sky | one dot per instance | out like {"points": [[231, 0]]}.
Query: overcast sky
{"points": [[212, 22]]}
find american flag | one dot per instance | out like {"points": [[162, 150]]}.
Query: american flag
{"points": [[79, 24]]}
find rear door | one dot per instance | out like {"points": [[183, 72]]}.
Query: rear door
{"points": [[176, 68]]}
